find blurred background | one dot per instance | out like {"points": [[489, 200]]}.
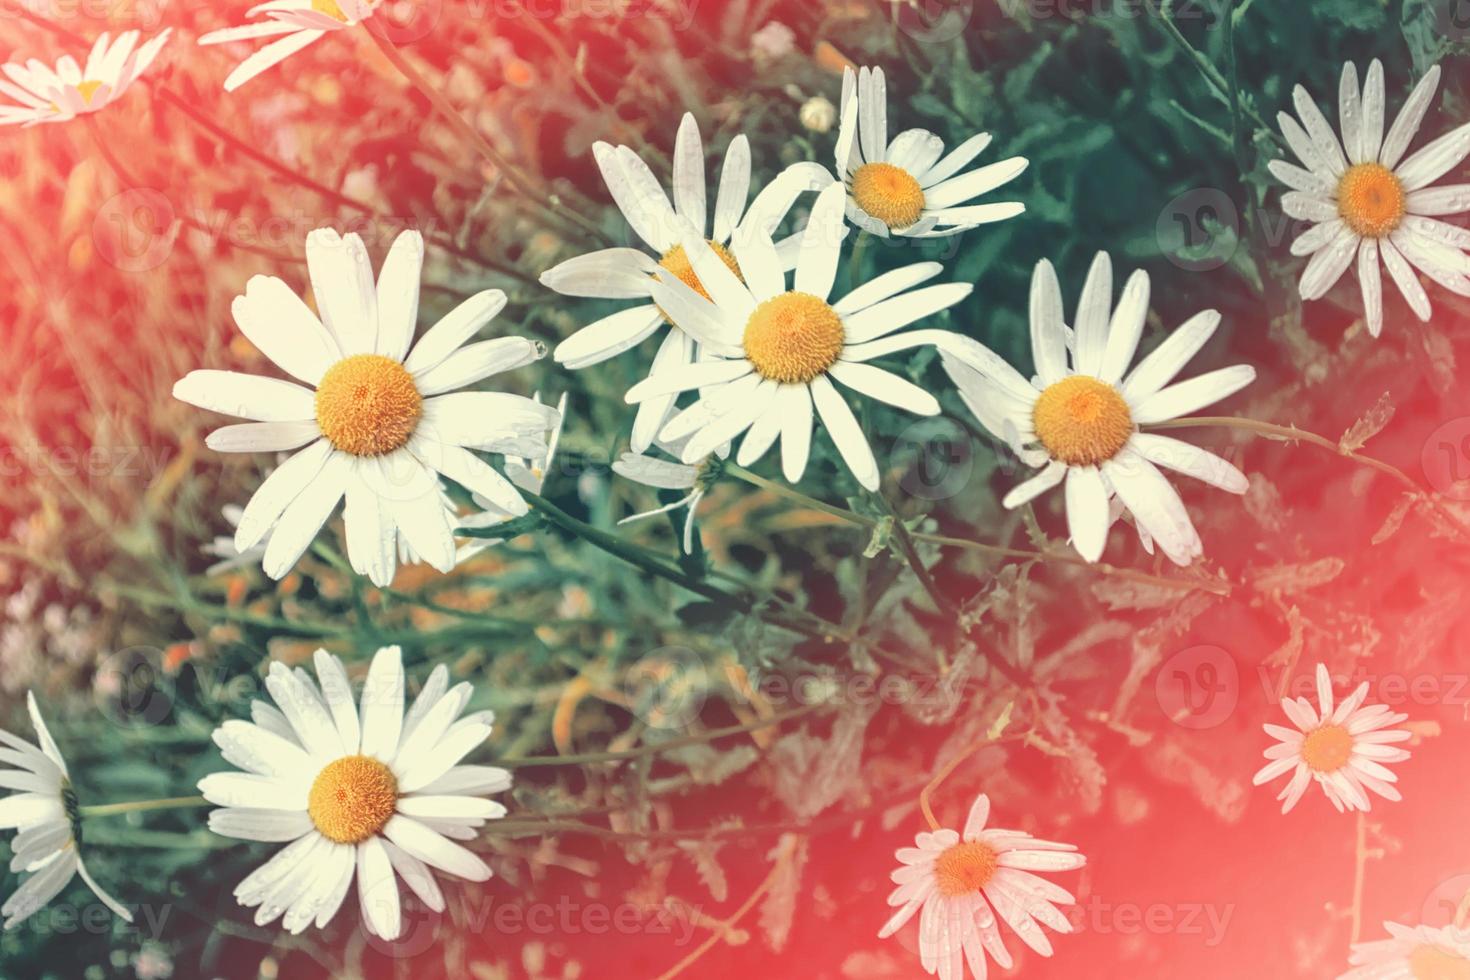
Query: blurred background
{"points": [[748, 826]]}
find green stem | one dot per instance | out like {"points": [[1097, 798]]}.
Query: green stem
{"points": [[143, 806], [796, 496], [654, 748]]}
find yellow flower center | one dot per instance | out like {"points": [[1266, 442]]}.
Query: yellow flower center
{"points": [[1432, 963], [352, 799], [330, 8], [793, 338], [888, 193], [87, 90], [1082, 421], [367, 405], [965, 868], [676, 260], [1328, 748], [1371, 199]]}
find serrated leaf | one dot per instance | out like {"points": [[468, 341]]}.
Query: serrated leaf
{"points": [[1365, 428]]}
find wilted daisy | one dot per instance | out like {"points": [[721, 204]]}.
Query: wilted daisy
{"points": [[370, 796], [964, 885], [526, 472], [45, 811], [772, 352], [1369, 202], [1422, 953], [1343, 749], [301, 21], [628, 273], [903, 187], [661, 474], [1078, 420], [70, 90], [383, 423]]}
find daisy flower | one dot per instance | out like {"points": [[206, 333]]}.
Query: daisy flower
{"points": [[68, 91], [903, 187], [1078, 419], [528, 473], [628, 273], [383, 422], [372, 796], [300, 21], [661, 474], [1368, 202], [772, 352], [45, 811], [964, 885], [1411, 953], [1344, 749]]}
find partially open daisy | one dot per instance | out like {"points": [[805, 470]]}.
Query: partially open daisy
{"points": [[964, 885], [71, 90], [1343, 749], [1422, 953], [365, 796], [1368, 202], [628, 273], [661, 474], [381, 422], [1079, 419], [903, 187], [772, 352], [302, 22], [45, 811]]}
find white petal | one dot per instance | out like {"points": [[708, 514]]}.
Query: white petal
{"points": [[846, 434], [1087, 511], [398, 295], [276, 320], [450, 333]]}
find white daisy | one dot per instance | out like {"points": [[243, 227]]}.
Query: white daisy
{"points": [[46, 95], [527, 472], [223, 547], [1079, 418], [362, 796], [628, 273], [1344, 750], [301, 21], [964, 885], [1412, 954], [384, 421], [664, 475], [903, 187], [1370, 203], [45, 811], [771, 353]]}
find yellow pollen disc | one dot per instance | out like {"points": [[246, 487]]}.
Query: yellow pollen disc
{"points": [[367, 405], [965, 868], [888, 193], [1371, 199], [676, 260], [793, 338], [1328, 748], [352, 799], [1082, 421], [87, 90], [1431, 963], [330, 8]]}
